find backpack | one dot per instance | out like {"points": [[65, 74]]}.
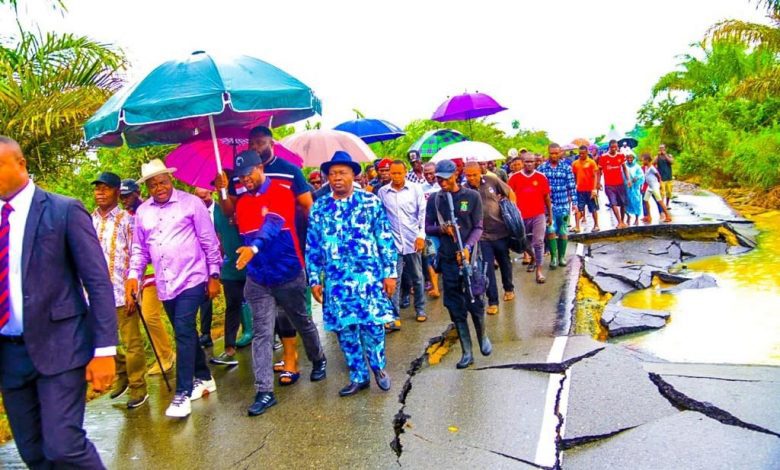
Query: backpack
{"points": [[514, 222]]}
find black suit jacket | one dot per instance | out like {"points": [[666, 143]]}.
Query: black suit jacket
{"points": [[61, 258]]}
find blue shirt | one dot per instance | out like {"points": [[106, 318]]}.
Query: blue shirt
{"points": [[406, 211], [563, 188]]}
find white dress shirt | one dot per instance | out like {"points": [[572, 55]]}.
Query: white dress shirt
{"points": [[405, 209], [18, 221]]}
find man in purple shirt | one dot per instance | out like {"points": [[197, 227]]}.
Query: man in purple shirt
{"points": [[174, 231]]}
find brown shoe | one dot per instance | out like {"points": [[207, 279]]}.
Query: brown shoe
{"points": [[492, 310], [509, 296]]}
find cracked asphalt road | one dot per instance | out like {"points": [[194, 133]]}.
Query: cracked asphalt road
{"points": [[541, 400]]}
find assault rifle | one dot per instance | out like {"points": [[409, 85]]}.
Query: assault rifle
{"points": [[465, 265]]}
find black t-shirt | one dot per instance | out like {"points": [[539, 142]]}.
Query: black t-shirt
{"points": [[664, 167], [468, 212]]}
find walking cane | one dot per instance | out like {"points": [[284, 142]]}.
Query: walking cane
{"points": [[151, 342]]}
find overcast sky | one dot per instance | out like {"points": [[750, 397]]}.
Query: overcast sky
{"points": [[569, 67]]}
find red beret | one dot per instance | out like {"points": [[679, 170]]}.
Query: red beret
{"points": [[384, 163]]}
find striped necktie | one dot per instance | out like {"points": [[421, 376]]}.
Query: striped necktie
{"points": [[5, 288]]}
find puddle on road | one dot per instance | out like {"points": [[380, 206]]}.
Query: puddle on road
{"points": [[737, 322]]}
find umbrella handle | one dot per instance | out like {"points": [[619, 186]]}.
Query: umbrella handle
{"points": [[223, 191]]}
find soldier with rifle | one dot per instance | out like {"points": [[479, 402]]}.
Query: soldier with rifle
{"points": [[455, 215]]}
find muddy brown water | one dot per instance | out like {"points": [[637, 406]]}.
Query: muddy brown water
{"points": [[737, 322]]}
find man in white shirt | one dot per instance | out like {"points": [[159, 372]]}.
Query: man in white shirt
{"points": [[404, 203]]}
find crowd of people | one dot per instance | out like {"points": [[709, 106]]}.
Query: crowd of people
{"points": [[367, 243]]}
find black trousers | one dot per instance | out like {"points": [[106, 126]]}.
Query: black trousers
{"points": [[46, 412], [206, 315], [497, 250], [456, 298], [234, 298]]}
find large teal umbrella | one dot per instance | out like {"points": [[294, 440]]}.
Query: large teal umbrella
{"points": [[182, 98], [201, 95]]}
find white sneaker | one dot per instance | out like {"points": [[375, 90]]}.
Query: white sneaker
{"points": [[201, 387], [179, 407]]}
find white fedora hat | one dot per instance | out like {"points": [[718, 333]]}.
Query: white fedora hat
{"points": [[152, 169]]}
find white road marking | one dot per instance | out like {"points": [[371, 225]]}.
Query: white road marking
{"points": [[580, 249], [545, 449]]}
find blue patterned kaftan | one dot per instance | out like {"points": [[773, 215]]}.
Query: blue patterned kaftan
{"points": [[350, 249]]}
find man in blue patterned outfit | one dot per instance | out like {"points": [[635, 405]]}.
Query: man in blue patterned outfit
{"points": [[351, 262], [562, 192]]}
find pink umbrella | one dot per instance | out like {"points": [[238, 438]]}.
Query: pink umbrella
{"points": [[197, 166], [318, 146]]}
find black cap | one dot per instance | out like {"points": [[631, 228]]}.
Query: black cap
{"points": [[245, 162], [109, 179], [129, 186]]}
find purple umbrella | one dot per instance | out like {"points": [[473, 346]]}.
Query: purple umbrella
{"points": [[467, 106]]}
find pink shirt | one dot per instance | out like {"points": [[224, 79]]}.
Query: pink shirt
{"points": [[178, 238]]}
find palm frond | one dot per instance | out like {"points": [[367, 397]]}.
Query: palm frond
{"points": [[761, 86], [751, 34]]}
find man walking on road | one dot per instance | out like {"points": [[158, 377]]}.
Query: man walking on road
{"points": [[664, 162], [613, 166], [586, 174], [495, 237], [151, 306], [440, 221], [430, 187], [114, 229], [50, 338], [173, 231], [562, 193], [265, 215], [351, 261], [404, 202], [533, 199]]}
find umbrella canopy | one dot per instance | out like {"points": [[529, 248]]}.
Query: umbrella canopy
{"points": [[196, 163], [469, 151], [567, 147], [467, 106], [628, 142], [613, 134], [371, 130], [177, 100], [433, 141], [318, 146], [581, 141]]}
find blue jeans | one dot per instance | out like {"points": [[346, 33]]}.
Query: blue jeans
{"points": [[410, 265], [497, 250], [190, 358]]}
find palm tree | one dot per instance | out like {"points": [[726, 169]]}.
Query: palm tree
{"points": [[49, 85], [760, 36]]}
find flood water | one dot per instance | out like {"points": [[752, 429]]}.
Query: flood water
{"points": [[737, 322]]}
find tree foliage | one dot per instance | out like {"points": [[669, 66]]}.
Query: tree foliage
{"points": [[49, 85]]}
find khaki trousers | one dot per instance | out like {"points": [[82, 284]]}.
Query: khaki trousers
{"points": [[130, 357], [152, 309]]}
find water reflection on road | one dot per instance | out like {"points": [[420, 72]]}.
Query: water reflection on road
{"points": [[737, 322]]}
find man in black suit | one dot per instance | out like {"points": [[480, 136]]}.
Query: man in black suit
{"points": [[50, 339]]}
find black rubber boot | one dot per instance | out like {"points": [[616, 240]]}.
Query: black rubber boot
{"points": [[485, 347], [465, 344]]}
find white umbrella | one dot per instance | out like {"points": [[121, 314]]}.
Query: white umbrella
{"points": [[318, 146], [469, 151]]}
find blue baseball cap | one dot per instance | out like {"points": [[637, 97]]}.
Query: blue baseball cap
{"points": [[445, 169], [111, 180], [245, 162], [128, 186]]}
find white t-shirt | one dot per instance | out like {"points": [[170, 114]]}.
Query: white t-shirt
{"points": [[652, 178]]}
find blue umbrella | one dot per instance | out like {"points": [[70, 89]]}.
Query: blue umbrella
{"points": [[628, 141], [371, 130]]}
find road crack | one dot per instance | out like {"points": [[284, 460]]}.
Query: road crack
{"points": [[253, 452], [683, 402], [400, 419], [547, 367]]}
